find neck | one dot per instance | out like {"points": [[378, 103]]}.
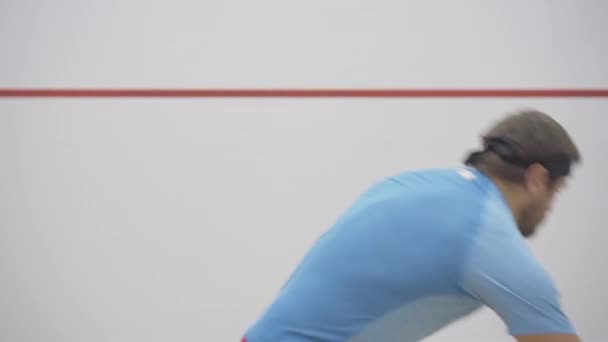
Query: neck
{"points": [[511, 194]]}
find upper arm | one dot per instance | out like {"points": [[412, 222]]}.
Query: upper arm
{"points": [[527, 303], [503, 275]]}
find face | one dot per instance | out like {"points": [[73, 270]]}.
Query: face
{"points": [[541, 192]]}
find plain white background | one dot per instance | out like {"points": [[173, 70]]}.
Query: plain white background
{"points": [[178, 220]]}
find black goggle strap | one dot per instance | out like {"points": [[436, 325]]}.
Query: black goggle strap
{"points": [[509, 151]]}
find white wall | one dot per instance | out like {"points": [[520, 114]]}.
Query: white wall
{"points": [[178, 220]]}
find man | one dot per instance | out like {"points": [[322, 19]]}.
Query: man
{"points": [[422, 249]]}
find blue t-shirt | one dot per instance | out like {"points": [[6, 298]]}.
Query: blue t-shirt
{"points": [[414, 253]]}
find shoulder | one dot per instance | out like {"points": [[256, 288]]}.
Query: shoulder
{"points": [[502, 272], [498, 252]]}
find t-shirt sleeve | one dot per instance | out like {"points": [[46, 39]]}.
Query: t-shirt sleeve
{"points": [[505, 276]]}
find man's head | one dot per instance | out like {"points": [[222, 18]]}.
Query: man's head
{"points": [[529, 155]]}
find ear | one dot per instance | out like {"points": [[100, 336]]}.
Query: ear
{"points": [[537, 178]]}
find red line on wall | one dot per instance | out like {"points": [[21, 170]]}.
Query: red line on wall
{"points": [[299, 93]]}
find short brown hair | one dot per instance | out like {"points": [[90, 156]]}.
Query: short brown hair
{"points": [[531, 136]]}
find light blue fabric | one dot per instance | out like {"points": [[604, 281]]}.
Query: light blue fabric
{"points": [[415, 252]]}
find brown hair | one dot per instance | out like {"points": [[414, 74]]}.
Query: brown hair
{"points": [[521, 139]]}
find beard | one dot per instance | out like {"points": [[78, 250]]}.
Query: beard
{"points": [[530, 219]]}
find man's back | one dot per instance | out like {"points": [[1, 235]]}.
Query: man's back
{"points": [[403, 262]]}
